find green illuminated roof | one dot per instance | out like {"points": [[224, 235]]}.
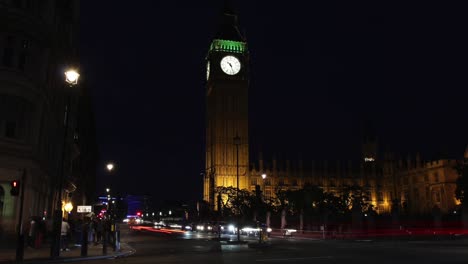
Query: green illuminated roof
{"points": [[228, 46]]}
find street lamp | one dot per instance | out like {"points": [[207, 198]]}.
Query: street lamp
{"points": [[110, 166], [68, 207], [263, 183], [237, 142], [71, 78]]}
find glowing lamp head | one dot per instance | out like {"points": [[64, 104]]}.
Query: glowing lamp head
{"points": [[71, 77], [110, 166], [14, 184], [68, 207], [264, 176]]}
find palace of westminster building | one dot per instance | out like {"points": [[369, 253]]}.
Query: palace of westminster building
{"points": [[417, 184]]}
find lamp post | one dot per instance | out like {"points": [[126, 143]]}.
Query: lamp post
{"points": [[263, 183], [260, 235], [110, 167], [237, 142], [71, 78]]}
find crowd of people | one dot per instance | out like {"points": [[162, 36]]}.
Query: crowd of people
{"points": [[72, 230]]}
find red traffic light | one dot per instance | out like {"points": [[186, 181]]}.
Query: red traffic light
{"points": [[138, 213]]}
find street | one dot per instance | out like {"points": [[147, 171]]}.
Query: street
{"points": [[192, 247]]}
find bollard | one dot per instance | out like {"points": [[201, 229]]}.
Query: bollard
{"points": [[117, 240]]}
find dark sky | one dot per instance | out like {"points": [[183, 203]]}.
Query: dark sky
{"points": [[319, 71]]}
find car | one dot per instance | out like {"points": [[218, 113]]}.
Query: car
{"points": [[204, 227]]}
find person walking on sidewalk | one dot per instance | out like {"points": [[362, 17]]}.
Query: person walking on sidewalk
{"points": [[64, 235], [99, 230]]}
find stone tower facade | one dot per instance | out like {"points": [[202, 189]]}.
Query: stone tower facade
{"points": [[227, 144]]}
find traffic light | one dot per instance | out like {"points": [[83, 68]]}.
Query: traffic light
{"points": [[138, 214], [15, 188]]}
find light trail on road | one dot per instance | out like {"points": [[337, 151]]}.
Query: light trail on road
{"points": [[157, 230]]}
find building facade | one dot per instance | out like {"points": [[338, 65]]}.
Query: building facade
{"points": [[38, 41], [418, 186], [227, 142]]}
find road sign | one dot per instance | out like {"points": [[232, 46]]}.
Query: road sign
{"points": [[84, 209]]}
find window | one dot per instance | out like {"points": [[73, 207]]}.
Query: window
{"points": [[8, 52], [380, 196], [253, 181], [267, 182], [294, 183], [22, 61], [281, 182], [10, 129], [437, 197], [2, 198], [405, 181], [436, 177], [426, 178]]}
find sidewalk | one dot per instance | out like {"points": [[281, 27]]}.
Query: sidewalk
{"points": [[42, 255]]}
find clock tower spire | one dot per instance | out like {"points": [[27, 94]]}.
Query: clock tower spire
{"points": [[226, 109]]}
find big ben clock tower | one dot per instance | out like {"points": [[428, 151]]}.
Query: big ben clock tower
{"points": [[227, 143]]}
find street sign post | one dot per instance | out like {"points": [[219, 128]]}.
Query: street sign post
{"points": [[84, 209]]}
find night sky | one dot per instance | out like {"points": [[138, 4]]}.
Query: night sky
{"points": [[319, 72]]}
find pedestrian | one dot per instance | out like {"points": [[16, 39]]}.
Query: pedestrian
{"points": [[32, 232], [91, 229], [40, 232], [99, 230], [64, 235]]}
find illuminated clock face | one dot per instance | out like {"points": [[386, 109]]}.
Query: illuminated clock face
{"points": [[207, 70], [230, 65]]}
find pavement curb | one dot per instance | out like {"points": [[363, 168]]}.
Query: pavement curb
{"points": [[126, 253]]}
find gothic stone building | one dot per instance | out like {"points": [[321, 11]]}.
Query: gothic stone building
{"points": [[417, 184]]}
